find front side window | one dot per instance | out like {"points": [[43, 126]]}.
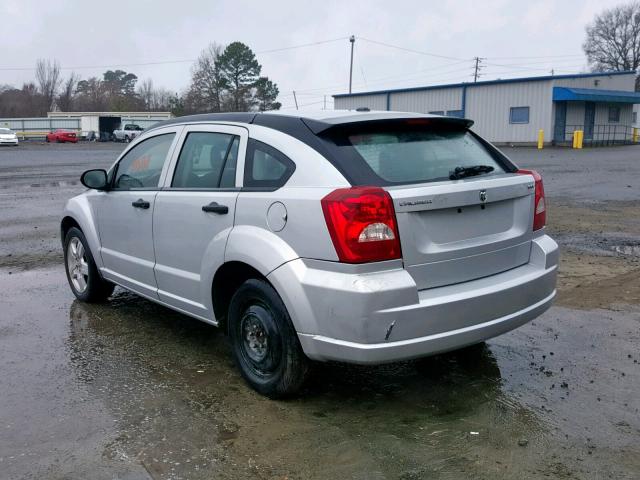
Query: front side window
{"points": [[437, 112], [455, 113], [614, 114], [519, 115], [142, 165], [266, 167], [203, 160]]}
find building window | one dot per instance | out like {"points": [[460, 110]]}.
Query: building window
{"points": [[437, 112], [454, 113], [519, 115], [614, 114]]}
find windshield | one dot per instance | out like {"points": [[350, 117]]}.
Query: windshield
{"points": [[5, 131], [418, 155]]}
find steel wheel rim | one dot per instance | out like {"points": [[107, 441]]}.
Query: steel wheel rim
{"points": [[77, 265], [255, 341]]}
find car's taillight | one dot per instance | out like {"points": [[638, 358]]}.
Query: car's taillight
{"points": [[540, 213], [362, 224]]}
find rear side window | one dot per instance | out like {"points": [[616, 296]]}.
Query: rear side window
{"points": [[203, 161], [141, 166], [266, 167], [403, 155]]}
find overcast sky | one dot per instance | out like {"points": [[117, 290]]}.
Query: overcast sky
{"points": [[543, 35]]}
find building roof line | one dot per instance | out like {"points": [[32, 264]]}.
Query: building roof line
{"points": [[485, 82]]}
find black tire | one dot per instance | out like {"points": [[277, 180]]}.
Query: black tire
{"points": [[126, 139], [96, 289], [46, 139], [279, 368]]}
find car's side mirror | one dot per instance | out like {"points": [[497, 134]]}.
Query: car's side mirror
{"points": [[96, 179]]}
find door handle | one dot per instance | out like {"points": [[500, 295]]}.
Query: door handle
{"points": [[140, 203], [215, 207]]}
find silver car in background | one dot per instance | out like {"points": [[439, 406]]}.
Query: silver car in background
{"points": [[363, 237]]}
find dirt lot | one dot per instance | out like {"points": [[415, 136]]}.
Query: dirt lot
{"points": [[132, 390]]}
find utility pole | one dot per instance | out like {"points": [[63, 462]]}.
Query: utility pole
{"points": [[295, 99], [476, 69], [352, 39]]}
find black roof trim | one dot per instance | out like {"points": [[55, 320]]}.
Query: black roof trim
{"points": [[241, 117]]}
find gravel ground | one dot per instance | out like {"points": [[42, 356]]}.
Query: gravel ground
{"points": [[132, 390]]}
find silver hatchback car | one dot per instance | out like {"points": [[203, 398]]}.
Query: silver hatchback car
{"points": [[363, 237]]}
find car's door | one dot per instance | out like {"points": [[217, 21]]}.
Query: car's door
{"points": [[125, 212], [194, 214]]}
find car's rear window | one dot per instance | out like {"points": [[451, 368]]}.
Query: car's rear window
{"points": [[402, 154]]}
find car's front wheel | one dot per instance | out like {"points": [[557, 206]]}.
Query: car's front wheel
{"points": [[265, 344], [82, 273]]}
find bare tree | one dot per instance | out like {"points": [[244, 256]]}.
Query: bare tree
{"points": [[48, 80], [613, 39], [207, 87], [145, 92], [65, 99]]}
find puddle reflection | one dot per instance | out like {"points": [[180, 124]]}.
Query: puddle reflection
{"points": [[171, 385]]}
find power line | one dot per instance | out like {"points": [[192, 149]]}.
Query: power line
{"points": [[534, 57], [312, 44], [169, 62], [410, 50]]}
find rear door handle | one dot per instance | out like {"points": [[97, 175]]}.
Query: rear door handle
{"points": [[140, 203], [215, 207]]}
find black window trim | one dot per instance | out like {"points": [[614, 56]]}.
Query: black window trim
{"points": [[114, 175], [265, 185], [233, 136]]}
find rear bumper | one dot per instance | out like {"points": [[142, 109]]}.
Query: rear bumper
{"points": [[378, 317]]}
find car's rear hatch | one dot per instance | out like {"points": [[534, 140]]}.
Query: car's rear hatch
{"points": [[456, 231], [453, 228]]}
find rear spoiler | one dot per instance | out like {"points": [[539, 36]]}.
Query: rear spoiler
{"points": [[320, 126]]}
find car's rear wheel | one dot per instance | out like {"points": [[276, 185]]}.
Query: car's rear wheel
{"points": [[265, 344], [126, 139], [82, 273]]}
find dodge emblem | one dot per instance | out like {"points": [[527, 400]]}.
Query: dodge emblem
{"points": [[483, 196]]}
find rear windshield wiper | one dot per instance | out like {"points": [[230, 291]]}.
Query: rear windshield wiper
{"points": [[462, 172]]}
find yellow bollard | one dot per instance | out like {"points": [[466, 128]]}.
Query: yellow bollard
{"points": [[580, 138], [635, 135], [575, 139], [540, 139]]}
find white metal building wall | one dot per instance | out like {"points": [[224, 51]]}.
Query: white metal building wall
{"points": [[605, 82], [489, 107], [425, 101], [373, 102]]}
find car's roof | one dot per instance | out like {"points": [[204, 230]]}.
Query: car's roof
{"points": [[317, 120]]}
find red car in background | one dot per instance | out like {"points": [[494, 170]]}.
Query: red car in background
{"points": [[62, 136]]}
